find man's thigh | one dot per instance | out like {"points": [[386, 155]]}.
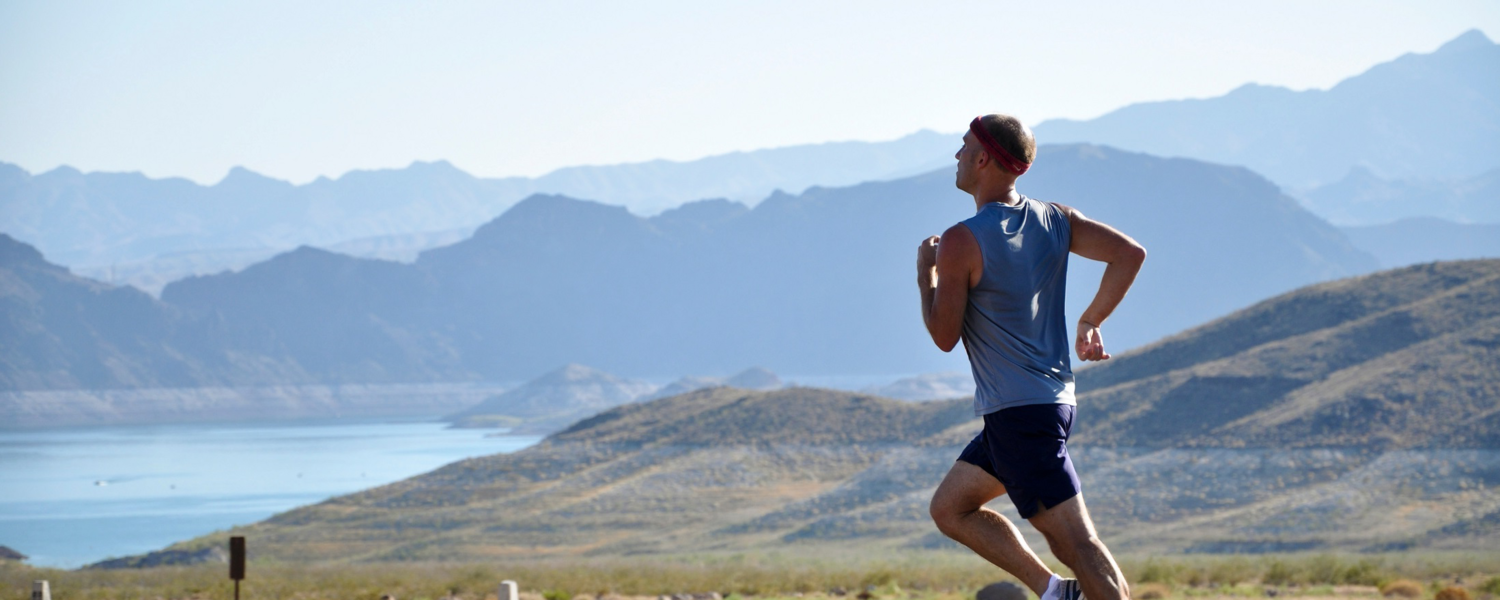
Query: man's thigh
{"points": [[966, 488]]}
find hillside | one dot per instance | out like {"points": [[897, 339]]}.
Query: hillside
{"points": [[64, 332], [80, 352], [1398, 359], [792, 284], [1433, 115], [1395, 414]]}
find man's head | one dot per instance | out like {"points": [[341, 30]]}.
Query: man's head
{"points": [[995, 147]]}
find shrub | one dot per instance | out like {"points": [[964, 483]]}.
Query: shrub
{"points": [[1401, 588], [1230, 572], [1491, 586], [1278, 573], [1452, 593], [1150, 591], [1157, 572], [1365, 572]]}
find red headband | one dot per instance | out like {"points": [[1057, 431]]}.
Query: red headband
{"points": [[997, 152]]}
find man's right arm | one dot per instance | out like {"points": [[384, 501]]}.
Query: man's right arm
{"points": [[1097, 241]]}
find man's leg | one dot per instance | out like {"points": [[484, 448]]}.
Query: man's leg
{"points": [[958, 509], [1071, 535]]}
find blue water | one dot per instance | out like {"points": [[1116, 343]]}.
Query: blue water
{"points": [[69, 497]]}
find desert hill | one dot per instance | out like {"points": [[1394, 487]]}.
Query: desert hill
{"points": [[1232, 467], [1397, 359]]}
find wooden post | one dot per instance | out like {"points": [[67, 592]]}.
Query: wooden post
{"points": [[237, 562], [509, 590], [40, 590]]}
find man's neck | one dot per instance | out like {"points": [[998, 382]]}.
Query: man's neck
{"points": [[1004, 194]]}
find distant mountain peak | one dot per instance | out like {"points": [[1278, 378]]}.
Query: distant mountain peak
{"points": [[1470, 39], [755, 378], [240, 177], [16, 252], [573, 373]]}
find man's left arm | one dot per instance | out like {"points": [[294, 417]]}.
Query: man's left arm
{"points": [[1098, 241], [946, 268]]}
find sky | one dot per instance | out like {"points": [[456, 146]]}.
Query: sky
{"points": [[298, 90]]}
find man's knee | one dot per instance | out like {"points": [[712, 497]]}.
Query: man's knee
{"points": [[1067, 528], [947, 512]]}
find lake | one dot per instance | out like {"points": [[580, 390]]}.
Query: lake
{"points": [[70, 497]]}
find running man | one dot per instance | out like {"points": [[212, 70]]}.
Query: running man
{"points": [[996, 281]]}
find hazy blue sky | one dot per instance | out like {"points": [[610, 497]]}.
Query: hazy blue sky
{"points": [[301, 89]]}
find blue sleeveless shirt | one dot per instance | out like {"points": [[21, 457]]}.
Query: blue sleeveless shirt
{"points": [[1015, 331]]}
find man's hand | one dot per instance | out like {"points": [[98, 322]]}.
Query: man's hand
{"points": [[1090, 343], [927, 261]]}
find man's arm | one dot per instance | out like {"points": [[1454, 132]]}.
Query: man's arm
{"points": [[947, 267], [1097, 241]]}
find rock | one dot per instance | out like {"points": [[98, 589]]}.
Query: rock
{"points": [[838, 591], [1004, 590], [6, 553]]}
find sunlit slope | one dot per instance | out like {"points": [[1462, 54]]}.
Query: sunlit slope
{"points": [[1355, 415], [717, 468], [1398, 359]]}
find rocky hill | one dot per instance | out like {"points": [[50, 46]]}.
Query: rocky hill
{"points": [[553, 400], [1398, 359], [1355, 415]]}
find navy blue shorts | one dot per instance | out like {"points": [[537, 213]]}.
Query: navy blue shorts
{"points": [[1026, 448]]}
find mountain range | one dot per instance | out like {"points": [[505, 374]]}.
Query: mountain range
{"points": [[1355, 415], [1412, 137], [1362, 198], [105, 220], [1416, 240], [1420, 116], [814, 283]]}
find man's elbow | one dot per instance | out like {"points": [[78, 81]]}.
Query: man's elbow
{"points": [[1134, 254], [945, 343]]}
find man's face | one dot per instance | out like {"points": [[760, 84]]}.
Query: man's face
{"points": [[967, 156]]}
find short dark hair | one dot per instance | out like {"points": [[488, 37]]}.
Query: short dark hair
{"points": [[1011, 134]]}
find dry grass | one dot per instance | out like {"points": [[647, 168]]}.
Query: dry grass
{"points": [[916, 576]]}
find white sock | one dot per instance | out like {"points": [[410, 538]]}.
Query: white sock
{"points": [[1052, 591]]}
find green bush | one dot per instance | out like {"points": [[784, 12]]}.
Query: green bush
{"points": [[1491, 586], [1157, 571], [1229, 572], [1278, 573]]}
